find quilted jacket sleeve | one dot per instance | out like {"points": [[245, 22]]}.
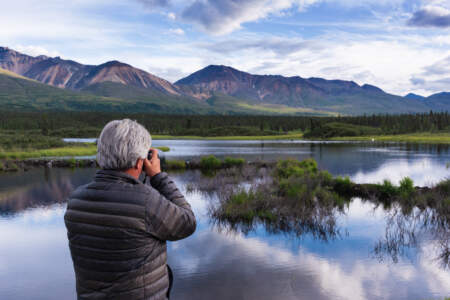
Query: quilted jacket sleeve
{"points": [[169, 215]]}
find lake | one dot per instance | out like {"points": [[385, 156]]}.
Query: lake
{"points": [[218, 262]]}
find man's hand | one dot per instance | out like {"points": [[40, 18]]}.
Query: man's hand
{"points": [[152, 167]]}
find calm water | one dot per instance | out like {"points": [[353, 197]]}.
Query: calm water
{"points": [[217, 263]]}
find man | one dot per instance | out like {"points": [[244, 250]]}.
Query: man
{"points": [[118, 226]]}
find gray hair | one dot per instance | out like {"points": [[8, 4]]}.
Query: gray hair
{"points": [[121, 144]]}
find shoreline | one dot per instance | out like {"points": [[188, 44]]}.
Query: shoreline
{"points": [[413, 138], [90, 149], [171, 165]]}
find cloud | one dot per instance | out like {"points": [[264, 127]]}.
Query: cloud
{"points": [[177, 31], [434, 77], [277, 45], [35, 50], [441, 67], [417, 81], [431, 16], [155, 3], [171, 16], [436, 85], [222, 17]]}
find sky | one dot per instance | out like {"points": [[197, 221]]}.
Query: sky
{"points": [[401, 46]]}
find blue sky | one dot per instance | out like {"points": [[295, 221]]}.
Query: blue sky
{"points": [[400, 46]]}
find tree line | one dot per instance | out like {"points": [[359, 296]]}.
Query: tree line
{"points": [[63, 123]]}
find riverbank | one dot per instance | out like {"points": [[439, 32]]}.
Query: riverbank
{"points": [[207, 164], [421, 138], [73, 149], [68, 151]]}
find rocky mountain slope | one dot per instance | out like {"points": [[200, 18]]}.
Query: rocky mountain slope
{"points": [[72, 75], [341, 96]]}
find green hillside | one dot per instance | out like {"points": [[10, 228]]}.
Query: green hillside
{"points": [[23, 94], [19, 93]]}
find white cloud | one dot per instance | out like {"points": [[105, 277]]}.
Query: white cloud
{"points": [[171, 16], [177, 31], [222, 17], [35, 50]]}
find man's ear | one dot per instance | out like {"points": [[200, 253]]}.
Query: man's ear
{"points": [[139, 164]]}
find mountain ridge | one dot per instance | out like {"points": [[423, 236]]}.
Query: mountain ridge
{"points": [[218, 87], [75, 76], [315, 93]]}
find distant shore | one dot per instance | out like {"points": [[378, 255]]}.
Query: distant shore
{"points": [[421, 138]]}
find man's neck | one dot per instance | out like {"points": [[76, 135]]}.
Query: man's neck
{"points": [[133, 172]]}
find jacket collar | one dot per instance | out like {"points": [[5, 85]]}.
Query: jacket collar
{"points": [[115, 176]]}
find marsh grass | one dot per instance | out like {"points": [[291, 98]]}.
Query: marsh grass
{"points": [[230, 162], [306, 199], [79, 150], [295, 197], [210, 163], [163, 148], [175, 164]]}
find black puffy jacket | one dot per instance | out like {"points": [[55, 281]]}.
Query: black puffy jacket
{"points": [[117, 229]]}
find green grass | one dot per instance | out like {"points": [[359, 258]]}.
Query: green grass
{"points": [[83, 150], [233, 162], [283, 109], [163, 148], [424, 137], [175, 164], [210, 163]]}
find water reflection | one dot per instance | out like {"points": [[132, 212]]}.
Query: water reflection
{"points": [[214, 263], [407, 231], [38, 188], [424, 172]]}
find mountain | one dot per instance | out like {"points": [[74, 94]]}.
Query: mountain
{"points": [[439, 101], [21, 93], [346, 97], [72, 75], [415, 96], [46, 83]]}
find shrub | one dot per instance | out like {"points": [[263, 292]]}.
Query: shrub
{"points": [[292, 167], [336, 129], [13, 166], [387, 190], [72, 162], [444, 187], [176, 164], [240, 198], [343, 186], [406, 188], [292, 188], [2, 166], [210, 163], [233, 162]]}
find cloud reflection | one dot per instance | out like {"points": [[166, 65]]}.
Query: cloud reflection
{"points": [[424, 172]]}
